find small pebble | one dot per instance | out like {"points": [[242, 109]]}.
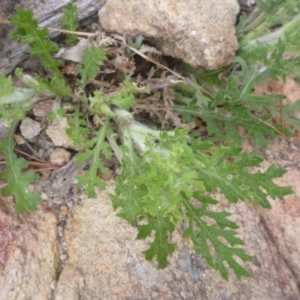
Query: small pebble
{"points": [[60, 157], [57, 133], [42, 108], [30, 128]]}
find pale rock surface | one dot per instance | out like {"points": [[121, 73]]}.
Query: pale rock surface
{"points": [[30, 128], [57, 132], [282, 222], [60, 157], [201, 33], [28, 253], [106, 262]]}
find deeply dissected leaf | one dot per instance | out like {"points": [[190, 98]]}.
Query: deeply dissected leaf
{"points": [[58, 86], [77, 130], [233, 107], [167, 176], [70, 21], [123, 98], [101, 104], [156, 187], [126, 195], [92, 58], [27, 30], [201, 233], [261, 184], [161, 247], [236, 181], [291, 114], [17, 178], [6, 87], [91, 177]]}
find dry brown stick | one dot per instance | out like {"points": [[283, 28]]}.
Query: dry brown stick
{"points": [[30, 156], [38, 164], [274, 128], [132, 49], [44, 169]]}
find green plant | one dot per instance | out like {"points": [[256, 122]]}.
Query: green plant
{"points": [[17, 181], [168, 176], [69, 21]]}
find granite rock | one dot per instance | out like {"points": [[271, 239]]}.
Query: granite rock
{"points": [[28, 252], [201, 33]]}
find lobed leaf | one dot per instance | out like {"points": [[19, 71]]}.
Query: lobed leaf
{"points": [[27, 30], [173, 172], [93, 57], [78, 131], [69, 21], [126, 195], [16, 178], [90, 177], [160, 248], [201, 233]]}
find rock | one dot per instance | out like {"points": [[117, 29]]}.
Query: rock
{"points": [[106, 262], [61, 187], [28, 252], [42, 108], [247, 3], [201, 33], [57, 133], [282, 222], [60, 157], [30, 128]]}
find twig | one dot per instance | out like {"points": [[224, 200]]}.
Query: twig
{"points": [[80, 33], [274, 128], [30, 156], [38, 164]]}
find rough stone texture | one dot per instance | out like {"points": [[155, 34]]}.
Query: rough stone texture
{"points": [[201, 33], [30, 128], [105, 262], [61, 187], [60, 156], [282, 226], [57, 133], [28, 253]]}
